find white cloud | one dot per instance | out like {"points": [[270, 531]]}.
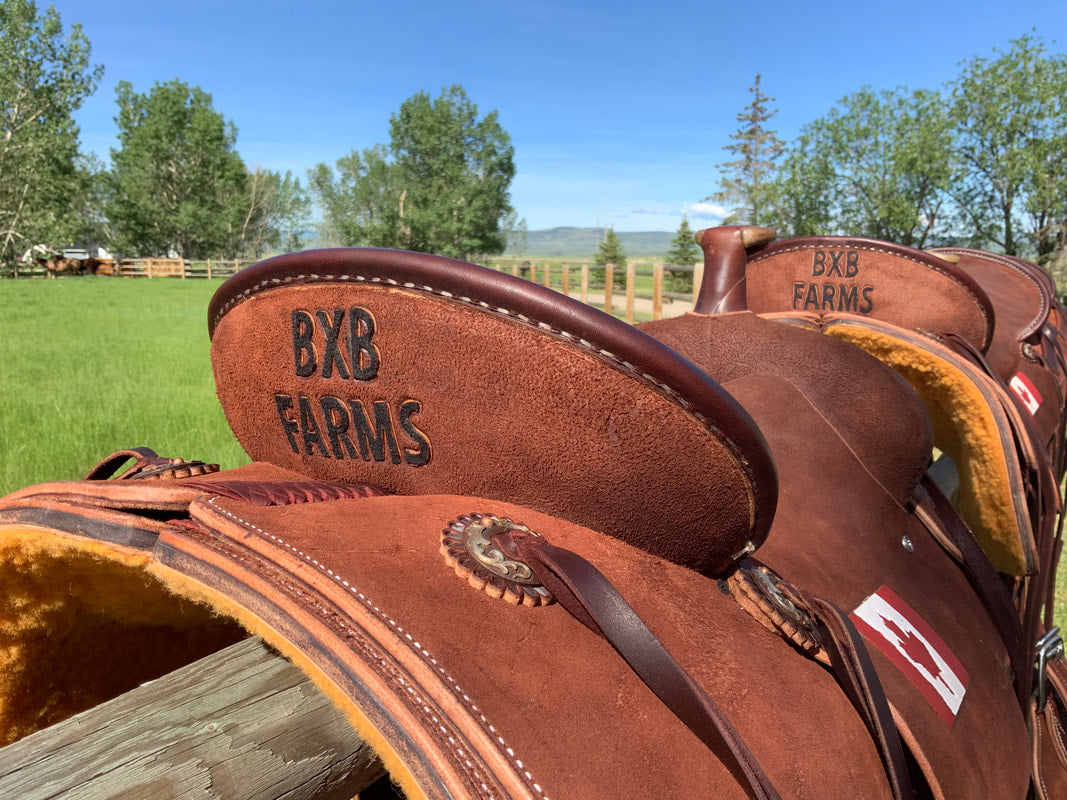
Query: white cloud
{"points": [[705, 211]]}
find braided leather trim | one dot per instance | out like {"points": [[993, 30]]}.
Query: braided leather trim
{"points": [[285, 493]]}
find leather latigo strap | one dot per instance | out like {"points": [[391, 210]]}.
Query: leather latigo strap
{"points": [[584, 591], [420, 374], [936, 512], [352, 613]]}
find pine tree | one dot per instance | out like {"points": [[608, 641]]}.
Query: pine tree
{"points": [[684, 252], [610, 251], [745, 185]]}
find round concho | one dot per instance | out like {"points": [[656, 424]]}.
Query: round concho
{"points": [[468, 548]]}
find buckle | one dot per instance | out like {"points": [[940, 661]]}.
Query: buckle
{"points": [[1048, 648]]}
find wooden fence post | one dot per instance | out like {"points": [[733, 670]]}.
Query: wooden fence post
{"points": [[209, 269], [657, 291], [186, 266], [515, 269], [585, 283], [548, 276], [698, 278], [565, 279], [631, 279], [609, 286]]}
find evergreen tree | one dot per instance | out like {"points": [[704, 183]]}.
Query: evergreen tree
{"points": [[610, 251], [684, 252], [745, 184]]}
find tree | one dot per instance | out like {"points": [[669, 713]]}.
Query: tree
{"points": [[1012, 142], [610, 251], [684, 252], [277, 213], [441, 186], [44, 78], [879, 164], [177, 180], [744, 183]]}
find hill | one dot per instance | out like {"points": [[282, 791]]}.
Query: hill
{"points": [[582, 243]]}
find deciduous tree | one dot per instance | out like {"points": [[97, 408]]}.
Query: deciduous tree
{"points": [[44, 78], [178, 182], [441, 186], [1012, 143]]}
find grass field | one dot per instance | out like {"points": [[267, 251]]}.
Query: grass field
{"points": [[94, 365]]}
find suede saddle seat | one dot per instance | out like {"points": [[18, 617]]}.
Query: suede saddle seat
{"points": [[931, 322], [415, 423], [1026, 352], [852, 441]]}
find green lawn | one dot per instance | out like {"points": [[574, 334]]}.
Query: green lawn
{"points": [[93, 365]]}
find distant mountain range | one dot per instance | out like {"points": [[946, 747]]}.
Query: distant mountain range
{"points": [[582, 243]]}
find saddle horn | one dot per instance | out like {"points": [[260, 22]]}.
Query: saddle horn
{"points": [[726, 251]]}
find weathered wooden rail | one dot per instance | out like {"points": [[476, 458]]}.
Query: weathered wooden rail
{"points": [[241, 724]]}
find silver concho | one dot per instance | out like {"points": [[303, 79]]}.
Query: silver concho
{"points": [[468, 548]]}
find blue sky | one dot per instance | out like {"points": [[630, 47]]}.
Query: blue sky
{"points": [[618, 111]]}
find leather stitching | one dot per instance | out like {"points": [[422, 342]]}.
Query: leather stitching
{"points": [[1042, 292], [664, 388], [415, 645], [796, 249]]}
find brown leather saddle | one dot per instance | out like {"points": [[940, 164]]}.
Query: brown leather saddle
{"points": [[534, 552]]}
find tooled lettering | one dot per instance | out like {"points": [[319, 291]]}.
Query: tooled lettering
{"points": [[345, 338], [303, 349], [283, 402], [420, 456], [820, 267], [331, 356], [374, 431], [833, 297], [309, 428]]}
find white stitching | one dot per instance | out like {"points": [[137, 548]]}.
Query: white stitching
{"points": [[625, 365], [415, 645], [764, 256]]}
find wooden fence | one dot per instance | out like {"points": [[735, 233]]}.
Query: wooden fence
{"points": [[637, 291], [143, 268], [643, 295]]}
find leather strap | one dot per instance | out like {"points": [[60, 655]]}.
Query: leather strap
{"points": [[583, 591], [857, 677], [147, 465], [935, 509]]}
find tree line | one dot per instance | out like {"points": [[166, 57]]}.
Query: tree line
{"points": [[177, 184], [978, 162]]}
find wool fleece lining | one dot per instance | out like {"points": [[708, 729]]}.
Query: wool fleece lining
{"points": [[969, 426], [82, 622]]}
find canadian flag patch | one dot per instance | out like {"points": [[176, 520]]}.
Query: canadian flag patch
{"points": [[1026, 392], [907, 640]]}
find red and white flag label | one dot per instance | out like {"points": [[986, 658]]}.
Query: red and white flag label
{"points": [[907, 640], [1026, 392]]}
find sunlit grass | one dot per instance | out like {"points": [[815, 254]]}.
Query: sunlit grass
{"points": [[92, 365]]}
